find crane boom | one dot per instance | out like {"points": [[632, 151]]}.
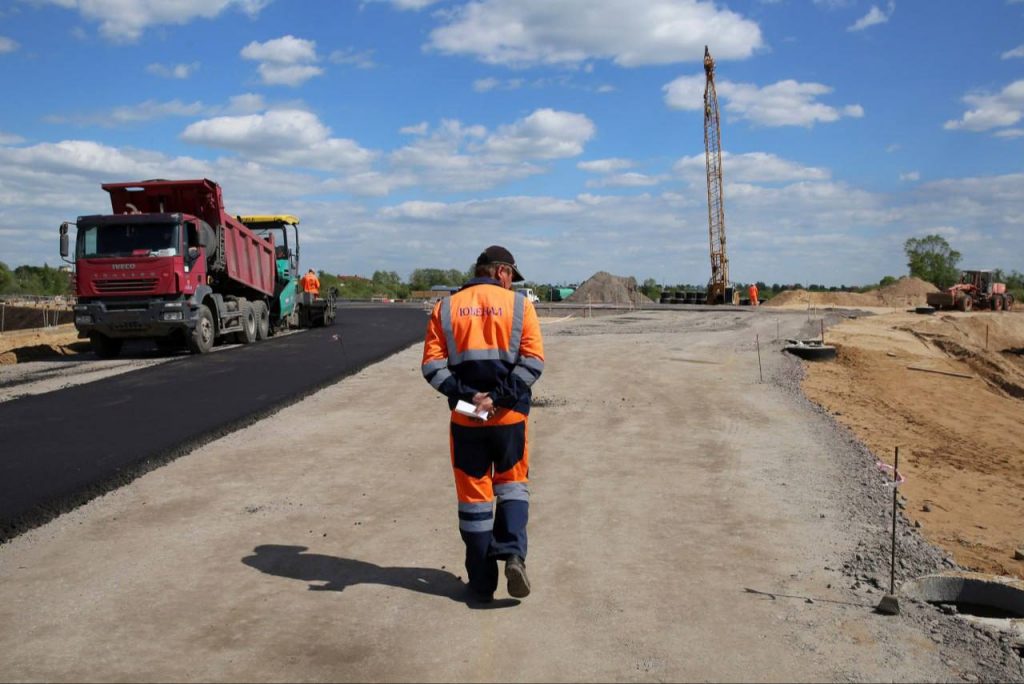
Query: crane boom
{"points": [[718, 285]]}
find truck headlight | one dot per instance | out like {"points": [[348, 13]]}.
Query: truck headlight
{"points": [[171, 316], [83, 319]]}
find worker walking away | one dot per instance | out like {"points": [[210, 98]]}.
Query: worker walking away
{"points": [[483, 346], [310, 283], [753, 294]]}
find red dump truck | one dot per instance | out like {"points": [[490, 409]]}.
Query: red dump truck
{"points": [[170, 264]]}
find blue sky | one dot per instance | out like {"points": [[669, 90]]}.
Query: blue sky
{"points": [[413, 133]]}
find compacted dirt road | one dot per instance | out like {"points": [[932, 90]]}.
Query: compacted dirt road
{"points": [[693, 518]]}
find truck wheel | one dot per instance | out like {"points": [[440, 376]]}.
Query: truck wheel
{"points": [[1009, 302], [262, 320], [105, 347], [997, 303], [248, 333], [201, 339], [966, 303]]}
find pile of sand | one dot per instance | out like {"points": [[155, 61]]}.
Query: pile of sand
{"points": [[912, 291], [904, 292], [605, 288], [821, 299], [40, 343], [949, 390]]}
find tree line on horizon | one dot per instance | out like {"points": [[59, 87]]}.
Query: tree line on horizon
{"points": [[930, 258]]}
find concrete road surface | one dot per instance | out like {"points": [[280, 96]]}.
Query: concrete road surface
{"points": [[683, 514]]}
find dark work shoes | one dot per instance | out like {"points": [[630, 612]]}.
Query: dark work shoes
{"points": [[515, 573]]}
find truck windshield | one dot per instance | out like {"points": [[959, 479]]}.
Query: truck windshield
{"points": [[127, 239]]}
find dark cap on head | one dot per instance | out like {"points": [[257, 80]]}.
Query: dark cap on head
{"points": [[496, 254]]}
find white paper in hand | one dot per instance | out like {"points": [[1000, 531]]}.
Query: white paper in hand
{"points": [[467, 409]]}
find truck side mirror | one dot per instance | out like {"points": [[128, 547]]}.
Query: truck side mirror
{"points": [[64, 240]]}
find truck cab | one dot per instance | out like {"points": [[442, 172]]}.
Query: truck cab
{"points": [[528, 293], [168, 264]]}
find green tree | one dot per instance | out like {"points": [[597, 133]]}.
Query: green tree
{"points": [[388, 281], [651, 289], [931, 258], [6, 279], [886, 281], [37, 280], [425, 278]]}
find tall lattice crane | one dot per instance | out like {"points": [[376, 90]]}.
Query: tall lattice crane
{"points": [[719, 291]]}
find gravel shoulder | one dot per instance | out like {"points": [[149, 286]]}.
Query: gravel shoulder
{"points": [[691, 521]]}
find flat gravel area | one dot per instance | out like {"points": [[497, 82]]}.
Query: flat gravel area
{"points": [[65, 447], [693, 518]]}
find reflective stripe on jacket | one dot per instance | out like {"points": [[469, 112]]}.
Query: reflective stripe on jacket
{"points": [[484, 338]]}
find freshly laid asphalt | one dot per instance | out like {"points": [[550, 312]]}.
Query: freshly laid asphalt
{"points": [[59, 450]]}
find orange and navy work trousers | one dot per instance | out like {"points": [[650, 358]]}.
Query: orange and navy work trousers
{"points": [[491, 461]]}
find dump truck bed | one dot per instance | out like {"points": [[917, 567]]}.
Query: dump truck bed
{"points": [[247, 258]]}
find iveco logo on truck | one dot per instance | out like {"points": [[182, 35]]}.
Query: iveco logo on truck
{"points": [[122, 266]]}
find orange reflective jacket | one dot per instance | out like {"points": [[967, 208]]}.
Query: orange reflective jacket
{"points": [[310, 283], [484, 338]]}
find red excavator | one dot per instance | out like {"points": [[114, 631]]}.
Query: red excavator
{"points": [[974, 291]]}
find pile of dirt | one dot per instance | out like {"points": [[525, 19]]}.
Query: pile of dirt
{"points": [[907, 287], [804, 298], [949, 391], [905, 292], [36, 344], [605, 288]]}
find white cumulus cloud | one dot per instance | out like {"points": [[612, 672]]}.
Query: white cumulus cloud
{"points": [[1015, 52], [148, 110], [609, 165], [523, 32], [362, 59], [751, 167], [125, 20], [874, 17], [785, 103], [544, 134], [284, 61], [178, 71], [285, 137], [7, 44], [630, 179], [989, 111]]}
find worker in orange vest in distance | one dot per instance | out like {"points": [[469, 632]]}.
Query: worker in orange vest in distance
{"points": [[310, 283], [753, 294]]}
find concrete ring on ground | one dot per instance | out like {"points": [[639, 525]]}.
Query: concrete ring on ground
{"points": [[1005, 595]]}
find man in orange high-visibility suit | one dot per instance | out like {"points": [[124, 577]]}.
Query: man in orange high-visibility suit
{"points": [[753, 294], [310, 283], [483, 346]]}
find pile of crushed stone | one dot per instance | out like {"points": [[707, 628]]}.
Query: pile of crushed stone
{"points": [[605, 288]]}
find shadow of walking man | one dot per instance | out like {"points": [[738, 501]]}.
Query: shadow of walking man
{"points": [[330, 573]]}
